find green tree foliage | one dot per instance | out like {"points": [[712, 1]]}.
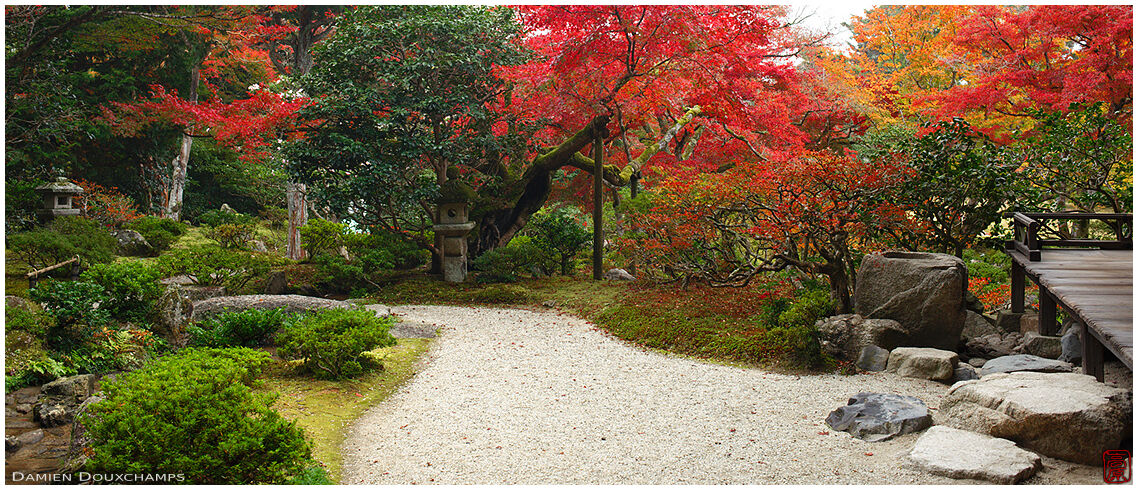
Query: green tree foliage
{"points": [[160, 233], [403, 93], [74, 306], [1081, 159], [63, 238], [332, 342], [960, 184], [322, 237], [194, 413], [216, 266], [560, 234]]}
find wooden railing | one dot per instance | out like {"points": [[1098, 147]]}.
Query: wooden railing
{"points": [[1027, 227], [34, 275]]}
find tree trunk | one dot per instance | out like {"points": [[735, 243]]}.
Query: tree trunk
{"points": [[840, 288], [297, 195], [181, 163], [598, 206]]}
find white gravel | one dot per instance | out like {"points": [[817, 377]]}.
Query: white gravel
{"points": [[510, 396]]}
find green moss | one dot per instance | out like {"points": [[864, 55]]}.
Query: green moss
{"points": [[325, 408]]}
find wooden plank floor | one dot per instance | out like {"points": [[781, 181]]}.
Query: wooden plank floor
{"points": [[1097, 286]]}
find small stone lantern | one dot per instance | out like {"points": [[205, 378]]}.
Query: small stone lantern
{"points": [[452, 226], [58, 198]]}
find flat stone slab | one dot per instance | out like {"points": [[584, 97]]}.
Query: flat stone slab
{"points": [[292, 303], [877, 417], [1068, 416], [961, 454], [411, 330], [1024, 362], [922, 362]]}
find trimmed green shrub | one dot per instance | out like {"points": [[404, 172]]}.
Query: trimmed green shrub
{"points": [[194, 413], [64, 238], [231, 235], [795, 333], [332, 342], [160, 233], [337, 274], [216, 266], [314, 475], [249, 328], [560, 235], [322, 236], [506, 264], [217, 217], [382, 250], [132, 288]]}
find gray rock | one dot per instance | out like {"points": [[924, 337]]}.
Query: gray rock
{"points": [[292, 303], [977, 362], [549, 303], [1008, 321], [11, 444], [225, 208], [59, 399], [16, 302], [1042, 345], [922, 362], [72, 387], [131, 243], [76, 456], [174, 310], [277, 282], [1029, 322], [964, 372], [977, 325], [380, 310], [618, 275], [873, 358], [409, 330], [258, 246], [972, 303], [844, 336], [1063, 415], [30, 437], [1024, 362], [880, 416], [182, 280], [922, 291], [993, 345], [961, 454], [1072, 345]]}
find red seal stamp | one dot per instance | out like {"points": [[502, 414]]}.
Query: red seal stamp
{"points": [[1116, 466]]}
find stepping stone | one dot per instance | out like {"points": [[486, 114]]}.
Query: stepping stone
{"points": [[961, 454], [922, 362], [408, 330], [877, 417], [1024, 362], [1068, 416], [873, 358]]}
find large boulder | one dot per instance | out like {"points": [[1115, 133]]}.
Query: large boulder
{"points": [[873, 358], [618, 275], [1063, 415], [132, 243], [59, 399], [977, 325], [844, 336], [292, 303], [1046, 346], [923, 362], [1024, 362], [879, 416], [922, 291], [960, 454], [176, 306]]}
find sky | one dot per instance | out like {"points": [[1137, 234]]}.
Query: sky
{"points": [[829, 17]]}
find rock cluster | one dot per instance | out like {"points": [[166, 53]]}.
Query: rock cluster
{"points": [[844, 336], [60, 399]]}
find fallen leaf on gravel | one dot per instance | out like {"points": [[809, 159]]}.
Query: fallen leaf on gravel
{"points": [[823, 433], [869, 454]]}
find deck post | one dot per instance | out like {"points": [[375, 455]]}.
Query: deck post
{"points": [[1048, 322], [1017, 287], [1092, 355]]}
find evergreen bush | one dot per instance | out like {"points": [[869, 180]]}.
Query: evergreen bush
{"points": [[332, 342]]}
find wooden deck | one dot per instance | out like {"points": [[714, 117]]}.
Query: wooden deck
{"points": [[1093, 285]]}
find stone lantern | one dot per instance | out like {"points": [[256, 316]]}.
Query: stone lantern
{"points": [[58, 198], [453, 226]]}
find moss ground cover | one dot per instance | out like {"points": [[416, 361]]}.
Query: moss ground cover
{"points": [[325, 409]]}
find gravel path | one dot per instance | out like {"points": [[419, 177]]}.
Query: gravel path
{"points": [[522, 397]]}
